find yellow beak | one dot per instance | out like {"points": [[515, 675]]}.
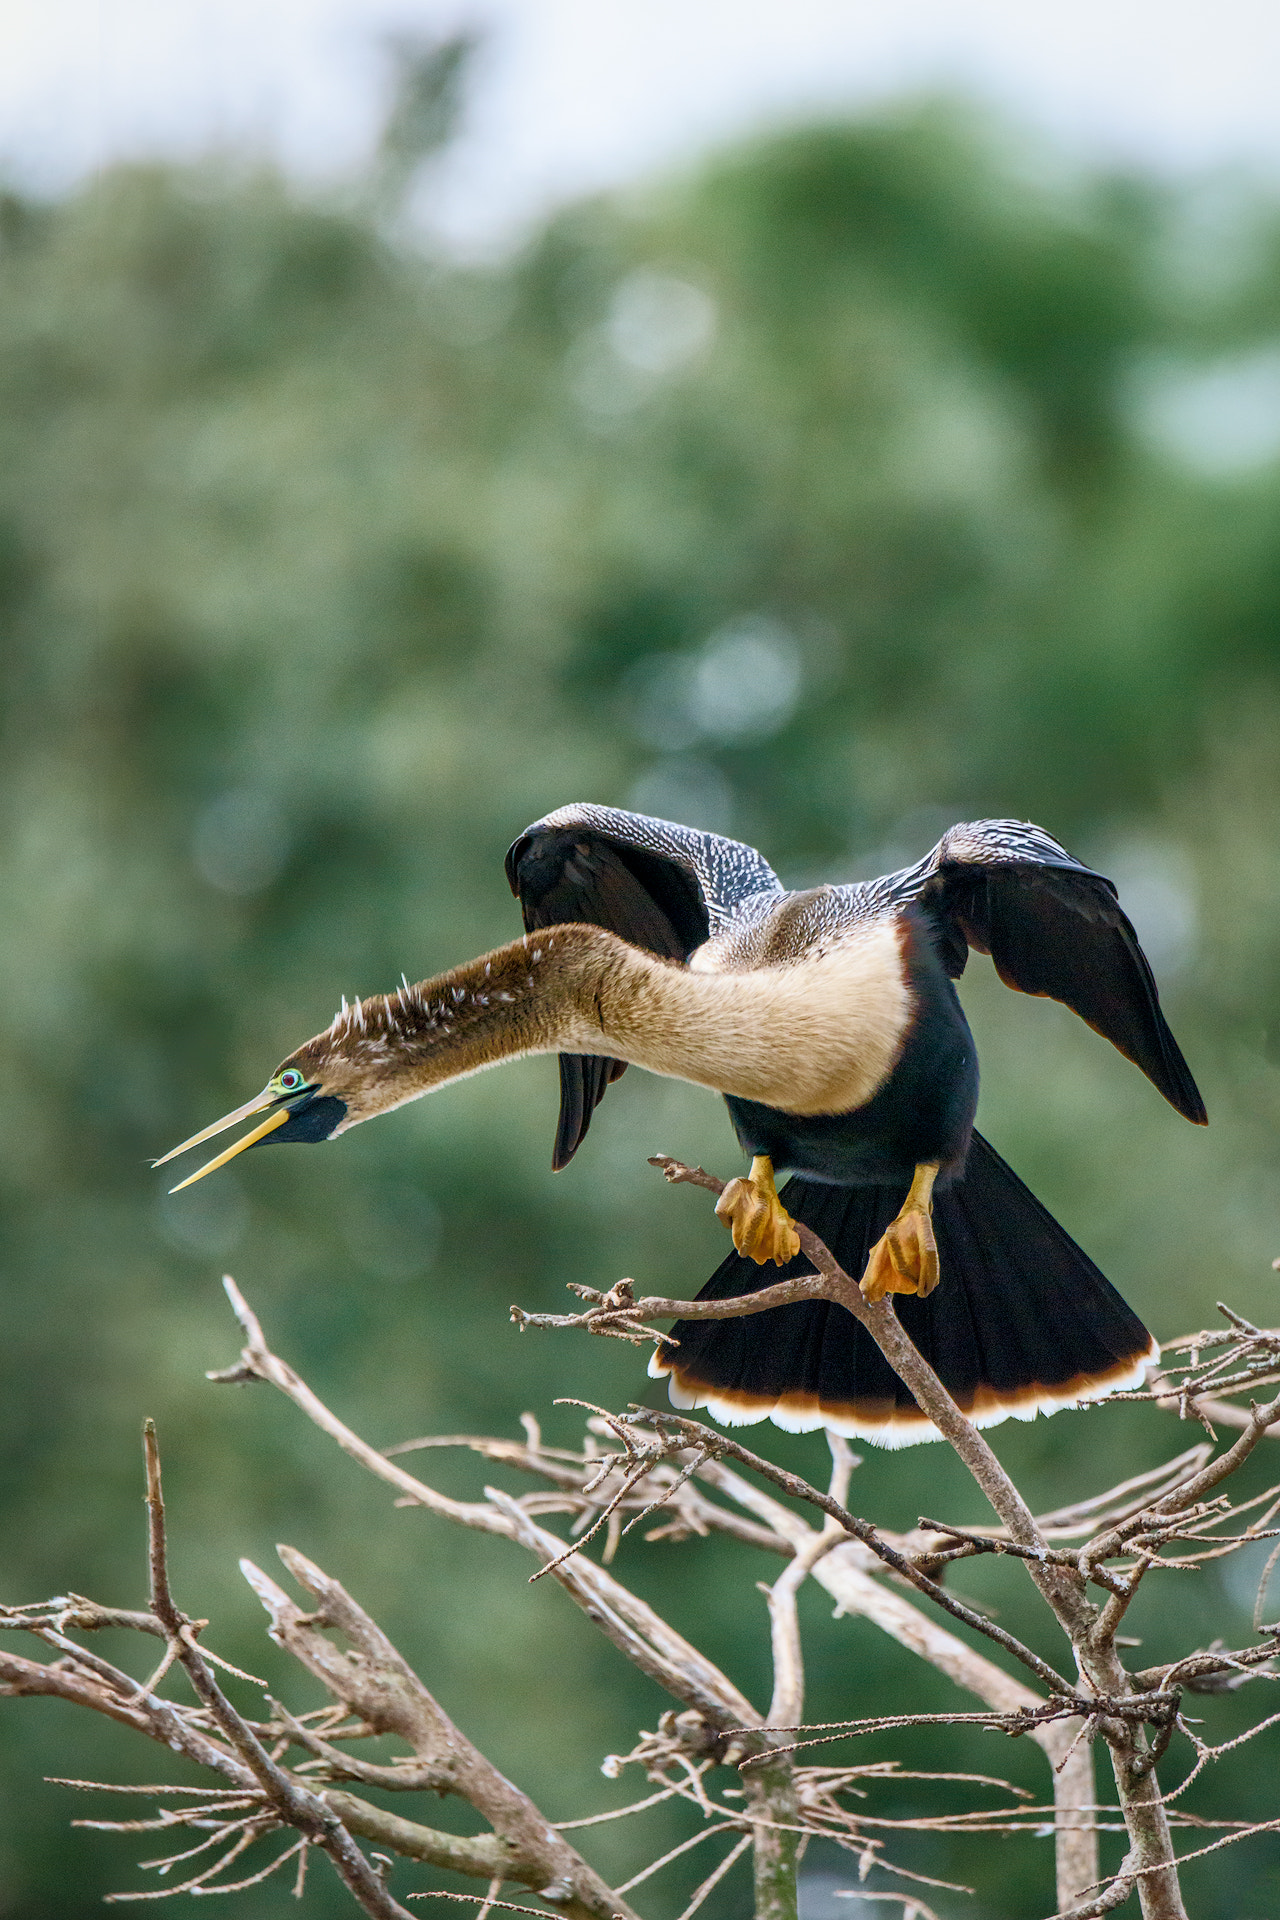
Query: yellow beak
{"points": [[272, 1121], [259, 1103], [256, 1105]]}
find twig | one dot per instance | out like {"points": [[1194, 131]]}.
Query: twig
{"points": [[787, 1705], [1106, 1902], [674, 1853], [716, 1875], [642, 1633], [859, 1529], [838, 1572], [672, 1466], [294, 1804], [376, 1682], [885, 1329], [1060, 1587]]}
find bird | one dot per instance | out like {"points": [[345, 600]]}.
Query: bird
{"points": [[828, 1020]]}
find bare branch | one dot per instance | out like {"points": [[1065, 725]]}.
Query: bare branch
{"points": [[706, 1482], [295, 1804], [1106, 1902], [374, 1680], [860, 1529], [636, 1629], [840, 1571], [1062, 1588], [661, 1652], [787, 1705], [885, 1329], [716, 1875]]}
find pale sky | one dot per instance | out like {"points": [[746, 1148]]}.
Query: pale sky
{"points": [[573, 95]]}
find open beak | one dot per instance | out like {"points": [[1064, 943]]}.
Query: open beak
{"points": [[258, 1104]]}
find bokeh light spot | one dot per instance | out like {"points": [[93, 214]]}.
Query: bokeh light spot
{"points": [[241, 842]]}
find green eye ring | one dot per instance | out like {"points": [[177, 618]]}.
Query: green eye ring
{"points": [[290, 1081]]}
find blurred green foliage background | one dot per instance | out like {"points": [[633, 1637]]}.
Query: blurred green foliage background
{"points": [[867, 478]]}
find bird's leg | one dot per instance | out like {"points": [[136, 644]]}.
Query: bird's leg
{"points": [[760, 1224], [905, 1257]]}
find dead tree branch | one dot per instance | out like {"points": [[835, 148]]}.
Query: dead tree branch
{"points": [[377, 1684], [1061, 1577], [690, 1481]]}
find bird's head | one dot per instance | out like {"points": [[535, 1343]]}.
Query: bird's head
{"points": [[393, 1047], [342, 1076]]}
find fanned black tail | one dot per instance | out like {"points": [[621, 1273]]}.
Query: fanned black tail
{"points": [[1021, 1323]]}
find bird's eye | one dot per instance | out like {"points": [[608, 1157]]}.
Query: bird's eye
{"points": [[290, 1080]]}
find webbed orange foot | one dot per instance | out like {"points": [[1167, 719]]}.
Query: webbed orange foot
{"points": [[762, 1228], [905, 1257]]}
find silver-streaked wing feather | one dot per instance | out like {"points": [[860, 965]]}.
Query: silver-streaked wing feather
{"points": [[661, 886]]}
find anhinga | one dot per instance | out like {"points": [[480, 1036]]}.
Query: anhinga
{"points": [[829, 1022]]}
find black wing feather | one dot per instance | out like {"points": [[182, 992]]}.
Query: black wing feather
{"points": [[572, 874], [1056, 928]]}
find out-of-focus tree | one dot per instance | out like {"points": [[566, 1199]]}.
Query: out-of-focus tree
{"points": [[868, 478], [428, 92]]}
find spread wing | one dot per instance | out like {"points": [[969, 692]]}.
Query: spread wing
{"points": [[660, 886], [1052, 927]]}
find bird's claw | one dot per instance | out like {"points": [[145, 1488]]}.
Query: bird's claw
{"points": [[762, 1228], [904, 1258]]}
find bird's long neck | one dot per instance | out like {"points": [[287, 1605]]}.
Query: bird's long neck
{"points": [[818, 1035]]}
